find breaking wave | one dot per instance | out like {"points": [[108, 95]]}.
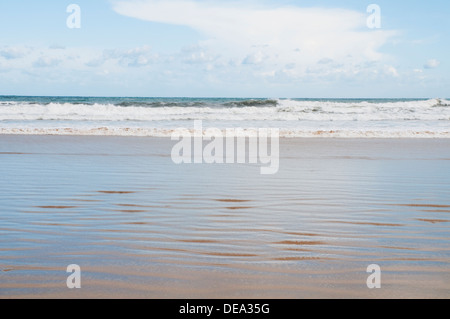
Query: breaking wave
{"points": [[157, 117]]}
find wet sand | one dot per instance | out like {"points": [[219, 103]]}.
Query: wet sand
{"points": [[140, 226]]}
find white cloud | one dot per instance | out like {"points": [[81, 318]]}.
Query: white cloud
{"points": [[255, 58], [45, 62], [57, 47], [140, 56], [270, 37], [390, 70], [75, 58], [431, 64], [198, 56], [11, 53], [136, 57], [325, 61]]}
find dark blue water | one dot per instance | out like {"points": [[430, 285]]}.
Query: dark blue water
{"points": [[179, 101]]}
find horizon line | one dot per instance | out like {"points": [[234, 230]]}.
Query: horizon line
{"points": [[220, 97]]}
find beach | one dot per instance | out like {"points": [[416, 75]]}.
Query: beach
{"points": [[222, 158], [140, 226]]}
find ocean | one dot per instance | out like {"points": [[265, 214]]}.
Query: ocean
{"points": [[158, 117], [91, 182]]}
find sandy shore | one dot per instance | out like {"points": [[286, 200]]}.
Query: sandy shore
{"points": [[140, 226]]}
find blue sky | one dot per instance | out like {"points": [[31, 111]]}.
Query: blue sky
{"points": [[208, 48]]}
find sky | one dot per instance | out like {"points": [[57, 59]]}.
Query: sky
{"points": [[210, 48]]}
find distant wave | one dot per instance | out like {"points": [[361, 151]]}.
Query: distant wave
{"points": [[259, 110], [159, 117], [252, 103], [161, 104]]}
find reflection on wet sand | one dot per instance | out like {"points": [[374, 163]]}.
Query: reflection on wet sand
{"points": [[56, 207], [422, 205], [116, 192], [366, 223], [434, 221], [140, 226]]}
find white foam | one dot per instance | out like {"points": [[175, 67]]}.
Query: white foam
{"points": [[153, 132], [287, 110], [425, 118]]}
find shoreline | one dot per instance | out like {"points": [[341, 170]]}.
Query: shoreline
{"points": [[321, 134]]}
